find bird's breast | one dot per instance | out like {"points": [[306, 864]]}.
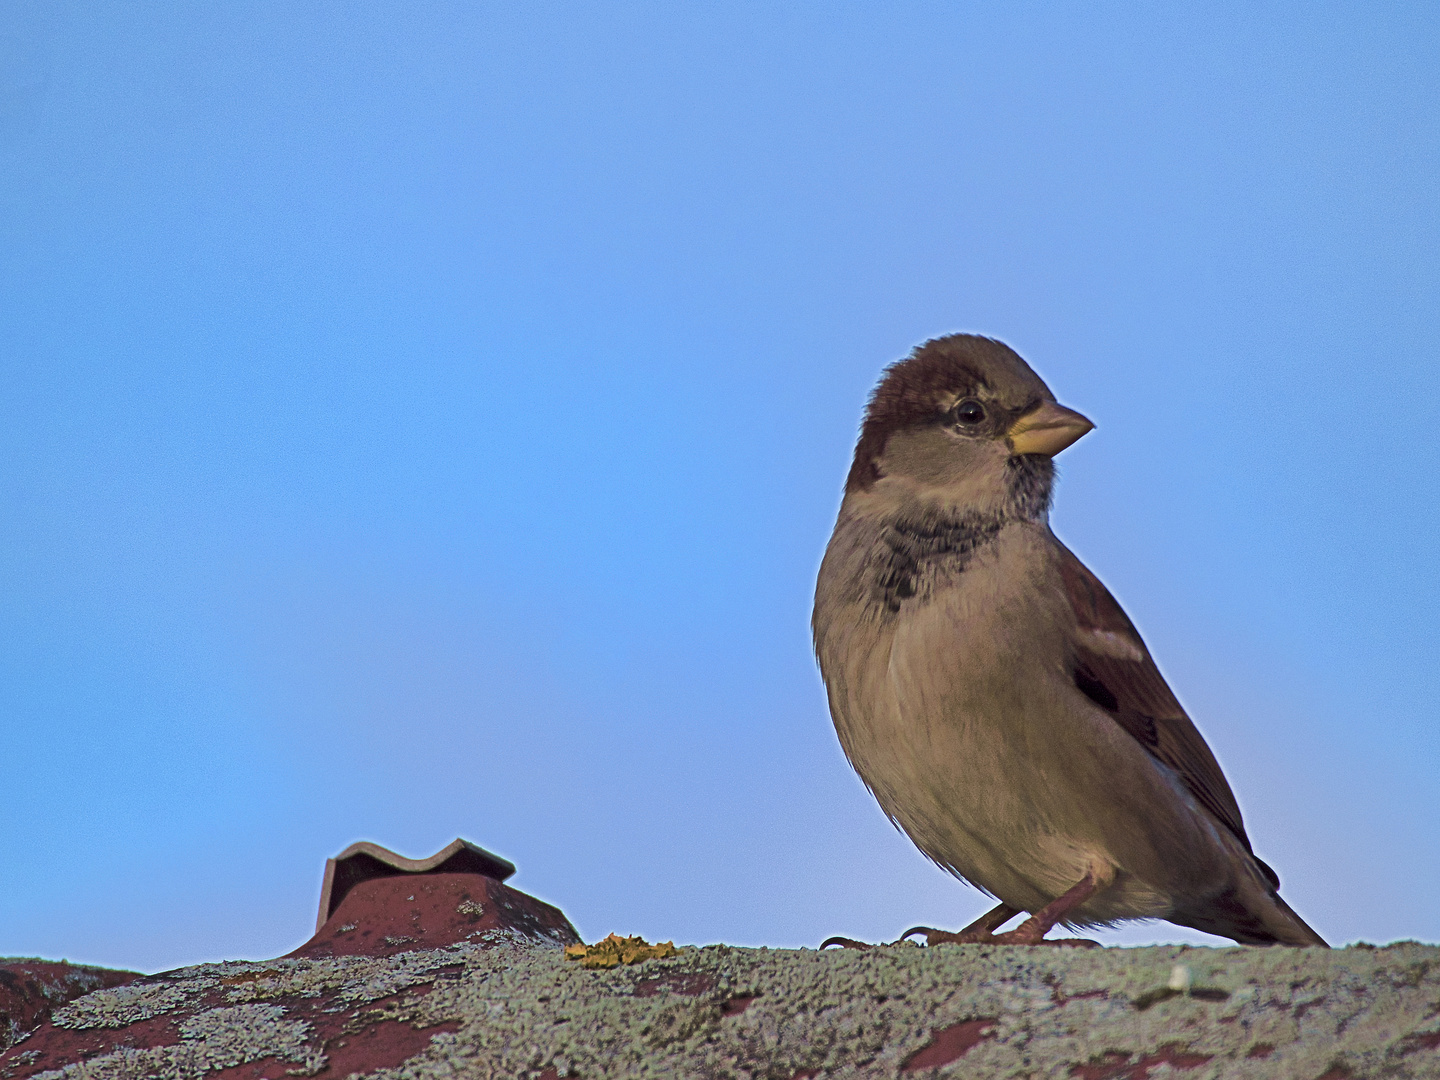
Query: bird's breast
{"points": [[947, 703], [925, 635]]}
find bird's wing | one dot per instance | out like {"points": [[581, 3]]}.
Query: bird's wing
{"points": [[1114, 669]]}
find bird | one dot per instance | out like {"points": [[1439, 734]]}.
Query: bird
{"points": [[992, 694]]}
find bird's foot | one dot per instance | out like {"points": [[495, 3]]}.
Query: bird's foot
{"points": [[950, 937], [1031, 932], [845, 943], [1019, 937], [979, 932], [982, 931]]}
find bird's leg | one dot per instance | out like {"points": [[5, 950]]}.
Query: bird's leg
{"points": [[978, 932], [1033, 930], [982, 931]]}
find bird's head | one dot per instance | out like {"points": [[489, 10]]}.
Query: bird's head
{"points": [[963, 421]]}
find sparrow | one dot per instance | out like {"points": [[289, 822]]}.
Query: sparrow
{"points": [[992, 694]]}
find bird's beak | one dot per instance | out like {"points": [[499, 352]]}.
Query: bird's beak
{"points": [[1046, 429]]}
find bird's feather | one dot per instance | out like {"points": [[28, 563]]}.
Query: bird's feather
{"points": [[1115, 670]]}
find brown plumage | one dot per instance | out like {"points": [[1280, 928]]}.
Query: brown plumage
{"points": [[992, 693]]}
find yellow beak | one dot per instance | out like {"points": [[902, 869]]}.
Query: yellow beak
{"points": [[1047, 430]]}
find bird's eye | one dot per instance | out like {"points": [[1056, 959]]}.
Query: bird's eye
{"points": [[969, 412]]}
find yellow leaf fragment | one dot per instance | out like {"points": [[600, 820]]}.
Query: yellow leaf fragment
{"points": [[616, 950]]}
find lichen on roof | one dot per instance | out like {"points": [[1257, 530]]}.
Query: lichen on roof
{"points": [[717, 1011]]}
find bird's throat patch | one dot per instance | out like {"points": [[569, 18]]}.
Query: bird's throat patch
{"points": [[914, 555]]}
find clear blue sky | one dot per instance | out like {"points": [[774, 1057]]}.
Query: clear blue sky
{"points": [[425, 420]]}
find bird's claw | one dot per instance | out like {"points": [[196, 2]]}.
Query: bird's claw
{"points": [[845, 943], [948, 937], [1018, 936]]}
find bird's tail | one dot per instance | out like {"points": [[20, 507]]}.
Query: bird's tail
{"points": [[1252, 913]]}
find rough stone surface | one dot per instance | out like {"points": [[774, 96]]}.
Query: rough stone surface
{"points": [[452, 976], [31, 989], [507, 1004], [397, 928]]}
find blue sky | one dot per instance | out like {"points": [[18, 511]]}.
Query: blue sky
{"points": [[426, 420]]}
